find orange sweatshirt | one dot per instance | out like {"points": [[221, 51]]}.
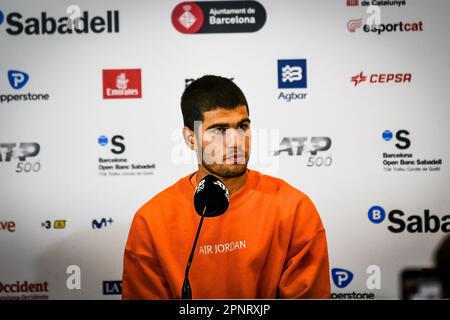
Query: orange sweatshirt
{"points": [[270, 243]]}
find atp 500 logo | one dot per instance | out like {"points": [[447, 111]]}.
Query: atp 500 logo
{"points": [[315, 146], [24, 153]]}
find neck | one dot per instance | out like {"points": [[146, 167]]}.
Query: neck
{"points": [[232, 184]]}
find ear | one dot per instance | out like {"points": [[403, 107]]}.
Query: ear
{"points": [[189, 138]]}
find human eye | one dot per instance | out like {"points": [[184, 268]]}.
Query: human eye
{"points": [[220, 130], [244, 126]]}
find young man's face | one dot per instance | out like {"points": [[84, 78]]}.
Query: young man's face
{"points": [[225, 141]]}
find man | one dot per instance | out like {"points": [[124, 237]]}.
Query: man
{"points": [[269, 244]]}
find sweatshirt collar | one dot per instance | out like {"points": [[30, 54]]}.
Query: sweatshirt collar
{"points": [[188, 184]]}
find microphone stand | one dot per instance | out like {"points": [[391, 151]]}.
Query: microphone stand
{"points": [[186, 292]]}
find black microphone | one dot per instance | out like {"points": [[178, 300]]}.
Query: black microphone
{"points": [[211, 199]]}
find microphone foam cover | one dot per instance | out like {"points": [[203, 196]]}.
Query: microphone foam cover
{"points": [[212, 193]]}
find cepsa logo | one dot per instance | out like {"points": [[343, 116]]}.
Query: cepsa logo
{"points": [[218, 17], [381, 78], [414, 223], [24, 290], [43, 24]]}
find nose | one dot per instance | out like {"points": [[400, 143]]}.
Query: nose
{"points": [[235, 138]]}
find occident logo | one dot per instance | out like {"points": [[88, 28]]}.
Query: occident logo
{"points": [[44, 24], [122, 83], [24, 290], [218, 17]]}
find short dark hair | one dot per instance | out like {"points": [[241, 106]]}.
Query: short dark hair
{"points": [[209, 93]]}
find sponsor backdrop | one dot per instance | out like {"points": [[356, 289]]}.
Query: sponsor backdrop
{"points": [[349, 102]]}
